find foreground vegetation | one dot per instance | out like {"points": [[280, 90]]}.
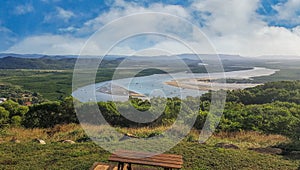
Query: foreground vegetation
{"points": [[250, 120], [248, 110], [259, 117], [56, 155]]}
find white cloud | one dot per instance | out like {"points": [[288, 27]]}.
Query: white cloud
{"points": [[60, 14], [296, 30], [172, 47], [8, 37], [125, 50], [68, 29], [288, 11], [64, 14], [5, 30], [23, 9], [233, 27], [48, 44], [230, 17], [121, 8], [263, 41]]}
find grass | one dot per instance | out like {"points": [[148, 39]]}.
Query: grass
{"points": [[57, 133], [56, 155], [248, 139], [283, 75], [51, 84]]}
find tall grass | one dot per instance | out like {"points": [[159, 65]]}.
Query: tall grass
{"points": [[246, 139], [57, 133], [75, 132]]}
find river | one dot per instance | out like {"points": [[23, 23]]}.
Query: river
{"points": [[157, 85]]}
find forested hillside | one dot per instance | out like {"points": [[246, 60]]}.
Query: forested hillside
{"points": [[284, 91], [249, 109], [36, 63]]}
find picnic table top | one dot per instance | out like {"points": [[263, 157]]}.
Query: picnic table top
{"points": [[146, 158]]}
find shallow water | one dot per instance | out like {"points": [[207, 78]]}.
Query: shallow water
{"points": [[154, 85]]}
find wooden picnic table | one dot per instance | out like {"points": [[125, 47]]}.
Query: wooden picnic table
{"points": [[166, 161]]}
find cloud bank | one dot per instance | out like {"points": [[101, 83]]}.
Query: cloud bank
{"points": [[233, 27]]}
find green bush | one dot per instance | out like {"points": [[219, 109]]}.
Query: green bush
{"points": [[4, 116], [16, 120], [12, 113]]}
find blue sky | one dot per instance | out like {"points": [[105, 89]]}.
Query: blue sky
{"points": [[67, 24]]}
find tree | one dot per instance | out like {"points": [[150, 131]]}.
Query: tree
{"points": [[4, 117], [43, 115], [16, 111], [68, 112]]}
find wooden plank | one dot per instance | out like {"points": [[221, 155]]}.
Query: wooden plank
{"points": [[103, 166], [147, 153], [159, 157], [142, 168], [146, 158], [177, 161], [145, 162], [152, 158], [148, 163]]}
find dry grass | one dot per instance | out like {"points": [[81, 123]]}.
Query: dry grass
{"points": [[246, 139], [23, 134], [75, 132], [144, 131], [57, 133]]}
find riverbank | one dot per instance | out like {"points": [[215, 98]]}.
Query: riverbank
{"points": [[203, 84]]}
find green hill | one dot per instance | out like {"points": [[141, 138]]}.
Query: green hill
{"points": [[36, 63]]}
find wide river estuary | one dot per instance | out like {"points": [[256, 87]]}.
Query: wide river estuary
{"points": [[166, 85]]}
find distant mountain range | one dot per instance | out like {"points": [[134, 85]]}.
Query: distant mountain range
{"points": [[39, 61], [188, 56], [11, 62], [3, 55]]}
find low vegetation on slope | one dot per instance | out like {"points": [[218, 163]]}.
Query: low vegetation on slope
{"points": [[29, 154], [251, 120]]}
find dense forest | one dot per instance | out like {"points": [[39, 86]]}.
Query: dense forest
{"points": [[250, 109]]}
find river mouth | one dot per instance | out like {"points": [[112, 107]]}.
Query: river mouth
{"points": [[179, 85]]}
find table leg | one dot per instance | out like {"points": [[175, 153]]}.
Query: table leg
{"points": [[120, 165], [129, 166]]}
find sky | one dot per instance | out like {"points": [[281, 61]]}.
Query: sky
{"points": [[239, 27]]}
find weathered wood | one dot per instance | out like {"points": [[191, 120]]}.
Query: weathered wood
{"points": [[103, 166], [145, 154], [143, 158], [152, 159]]}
